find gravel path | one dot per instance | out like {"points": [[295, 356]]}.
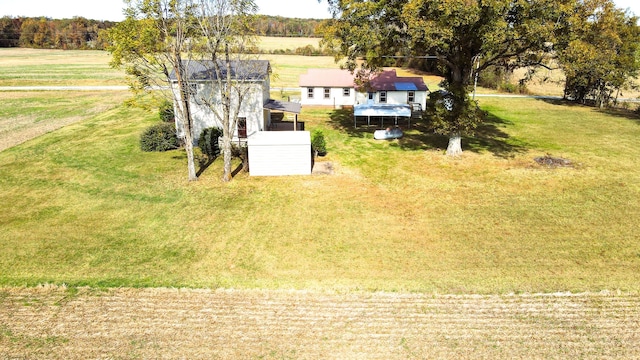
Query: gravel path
{"points": [[54, 323]]}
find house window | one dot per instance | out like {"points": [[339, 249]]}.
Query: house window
{"points": [[194, 89], [372, 96], [242, 127], [310, 93], [383, 96], [411, 97], [327, 93], [346, 92]]}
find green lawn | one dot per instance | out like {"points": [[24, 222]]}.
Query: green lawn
{"points": [[83, 206]]}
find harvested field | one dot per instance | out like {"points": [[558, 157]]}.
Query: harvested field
{"points": [[57, 323]]}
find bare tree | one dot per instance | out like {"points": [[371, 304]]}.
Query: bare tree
{"points": [[151, 43], [225, 27]]}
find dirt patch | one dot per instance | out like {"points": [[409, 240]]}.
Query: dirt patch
{"points": [[322, 168], [56, 323], [552, 161]]}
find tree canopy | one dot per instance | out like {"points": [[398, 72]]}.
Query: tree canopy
{"points": [[463, 36], [599, 54]]}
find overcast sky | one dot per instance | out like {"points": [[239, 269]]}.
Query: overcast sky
{"points": [[112, 9]]}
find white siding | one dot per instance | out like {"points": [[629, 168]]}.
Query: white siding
{"points": [[277, 153], [251, 109], [336, 97], [394, 97]]}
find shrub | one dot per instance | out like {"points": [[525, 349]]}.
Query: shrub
{"points": [[318, 143], [165, 111], [208, 142], [159, 137]]}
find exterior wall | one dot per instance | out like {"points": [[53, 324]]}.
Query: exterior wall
{"points": [[393, 97], [336, 97], [251, 109], [278, 153]]}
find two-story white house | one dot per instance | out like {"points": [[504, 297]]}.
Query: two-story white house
{"points": [[251, 85], [251, 77]]}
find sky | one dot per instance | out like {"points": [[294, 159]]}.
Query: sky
{"points": [[112, 9]]}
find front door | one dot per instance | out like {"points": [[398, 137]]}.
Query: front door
{"points": [[372, 97], [242, 127]]}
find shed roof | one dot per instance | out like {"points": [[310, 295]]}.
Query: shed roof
{"points": [[283, 106], [279, 138]]}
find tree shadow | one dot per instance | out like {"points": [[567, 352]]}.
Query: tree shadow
{"points": [[488, 137], [204, 166]]}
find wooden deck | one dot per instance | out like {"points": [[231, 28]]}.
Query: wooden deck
{"points": [[285, 126]]}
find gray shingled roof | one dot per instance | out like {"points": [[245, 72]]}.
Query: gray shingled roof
{"points": [[240, 70]]}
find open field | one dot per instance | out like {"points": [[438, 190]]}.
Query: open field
{"points": [[26, 115], [53, 323], [28, 67], [272, 43]]}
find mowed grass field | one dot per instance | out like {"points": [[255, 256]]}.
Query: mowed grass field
{"points": [[86, 207], [400, 253]]}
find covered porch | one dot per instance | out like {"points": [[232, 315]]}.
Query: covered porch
{"points": [[389, 114], [284, 116]]}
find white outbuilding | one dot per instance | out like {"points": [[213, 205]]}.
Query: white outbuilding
{"points": [[277, 153]]}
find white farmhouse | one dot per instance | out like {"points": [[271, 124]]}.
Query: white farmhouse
{"points": [[254, 123], [327, 87]]}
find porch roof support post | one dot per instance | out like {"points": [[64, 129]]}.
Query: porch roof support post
{"points": [[295, 123]]}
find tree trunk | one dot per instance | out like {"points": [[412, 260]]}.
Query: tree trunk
{"points": [[455, 145], [191, 164], [227, 156]]}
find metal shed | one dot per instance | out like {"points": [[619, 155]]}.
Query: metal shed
{"points": [[277, 153]]}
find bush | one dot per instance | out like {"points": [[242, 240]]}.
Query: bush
{"points": [[318, 143], [159, 137], [208, 142], [165, 111]]}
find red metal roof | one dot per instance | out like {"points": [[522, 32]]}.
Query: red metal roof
{"points": [[387, 80]]}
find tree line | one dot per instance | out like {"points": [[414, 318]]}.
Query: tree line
{"points": [[81, 33], [45, 33]]}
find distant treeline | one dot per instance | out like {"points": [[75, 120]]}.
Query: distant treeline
{"points": [[81, 33], [288, 27], [44, 33]]}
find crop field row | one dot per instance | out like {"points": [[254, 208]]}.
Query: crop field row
{"points": [[59, 323]]}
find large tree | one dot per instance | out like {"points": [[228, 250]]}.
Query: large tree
{"points": [[600, 54], [463, 36]]}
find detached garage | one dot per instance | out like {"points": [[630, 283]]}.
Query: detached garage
{"points": [[277, 153]]}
